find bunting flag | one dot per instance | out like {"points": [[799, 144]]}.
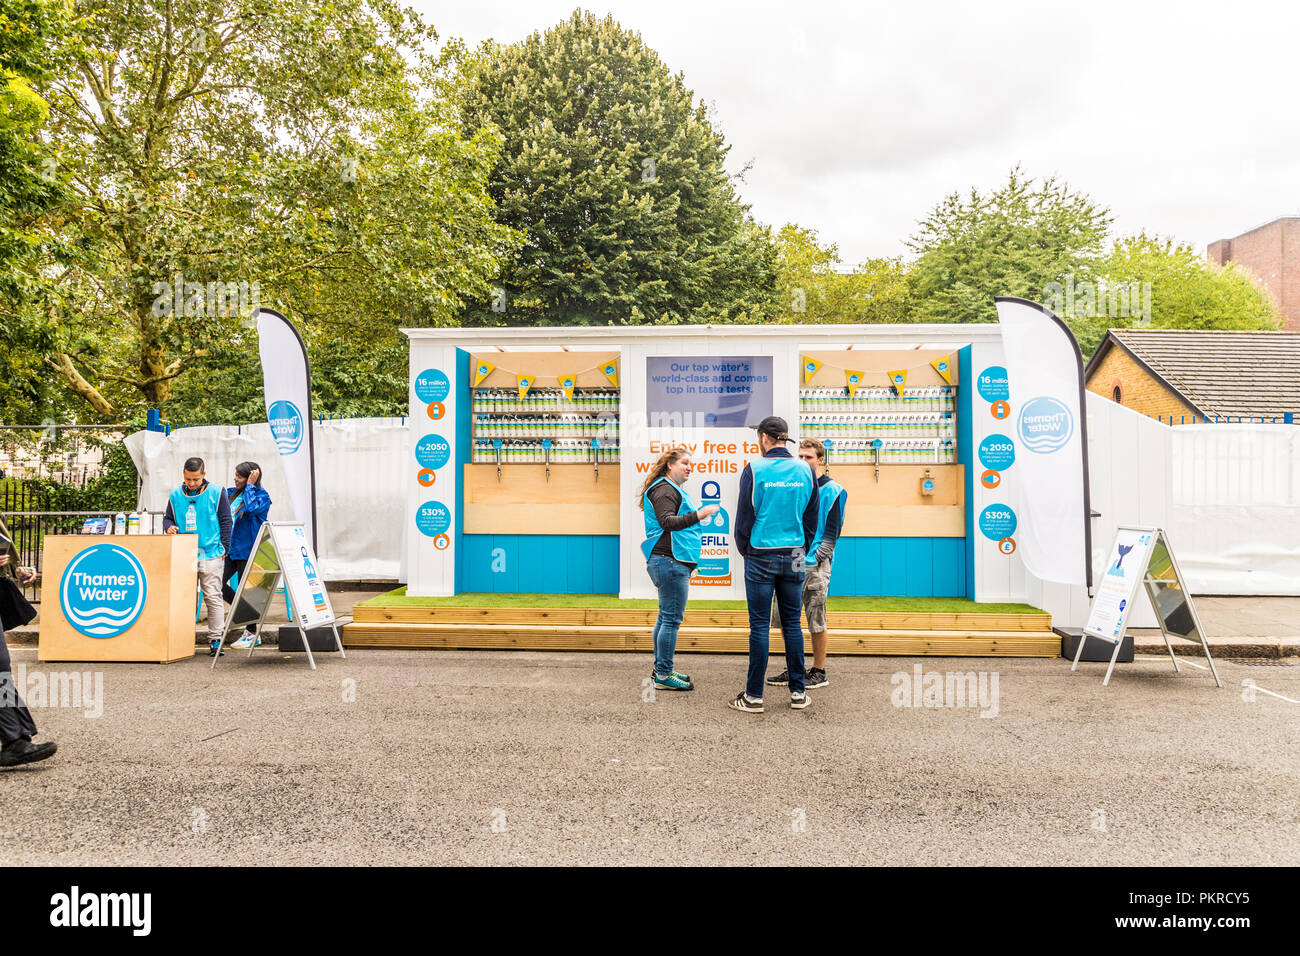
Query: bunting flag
{"points": [[898, 379], [483, 370], [944, 367], [567, 382], [611, 372], [810, 367], [854, 379], [524, 382]]}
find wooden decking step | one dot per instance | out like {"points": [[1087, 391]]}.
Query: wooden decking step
{"points": [[709, 638]]}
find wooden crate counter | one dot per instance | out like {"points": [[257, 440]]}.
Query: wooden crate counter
{"points": [[118, 598]]}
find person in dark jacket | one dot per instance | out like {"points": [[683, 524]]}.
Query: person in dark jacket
{"points": [[16, 725], [831, 502], [776, 522], [249, 505], [672, 550]]}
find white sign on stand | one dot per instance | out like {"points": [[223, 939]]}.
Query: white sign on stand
{"points": [[1141, 555], [282, 554]]}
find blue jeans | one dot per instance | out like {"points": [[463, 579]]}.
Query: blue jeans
{"points": [[673, 579], [781, 575]]}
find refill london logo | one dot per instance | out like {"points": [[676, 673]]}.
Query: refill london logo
{"points": [[286, 426], [1046, 425], [102, 591]]}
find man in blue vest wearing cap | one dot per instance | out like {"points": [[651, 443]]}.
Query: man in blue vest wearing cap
{"points": [[776, 521]]}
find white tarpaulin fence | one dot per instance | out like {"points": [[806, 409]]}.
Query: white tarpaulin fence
{"points": [[1228, 495], [360, 486]]}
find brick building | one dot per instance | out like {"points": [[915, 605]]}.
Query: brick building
{"points": [[1189, 375], [1272, 253]]}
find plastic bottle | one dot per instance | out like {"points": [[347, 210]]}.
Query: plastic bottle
{"points": [[133, 523], [119, 523]]}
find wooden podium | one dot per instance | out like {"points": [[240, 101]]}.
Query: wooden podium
{"points": [[92, 611]]}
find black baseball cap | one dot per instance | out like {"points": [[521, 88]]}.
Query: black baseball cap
{"points": [[773, 427]]}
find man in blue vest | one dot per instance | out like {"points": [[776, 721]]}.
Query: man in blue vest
{"points": [[831, 501], [776, 521], [201, 509]]}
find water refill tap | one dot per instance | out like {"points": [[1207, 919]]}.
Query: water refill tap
{"points": [[828, 444], [927, 484], [595, 457], [546, 453], [876, 444], [496, 445]]}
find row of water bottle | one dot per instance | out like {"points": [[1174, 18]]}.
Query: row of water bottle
{"points": [[532, 451], [919, 425], [858, 451], [545, 400], [930, 398], [555, 426]]}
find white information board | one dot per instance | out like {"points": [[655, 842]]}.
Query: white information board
{"points": [[1119, 583], [1143, 556], [311, 602], [282, 555]]}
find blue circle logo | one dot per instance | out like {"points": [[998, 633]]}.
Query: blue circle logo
{"points": [[102, 591], [567, 383], [433, 518], [609, 370], [997, 452], [433, 451], [286, 426], [810, 367], [942, 366], [711, 490], [1045, 424], [432, 385], [992, 384], [997, 522]]}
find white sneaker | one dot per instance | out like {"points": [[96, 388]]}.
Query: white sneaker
{"points": [[248, 639]]}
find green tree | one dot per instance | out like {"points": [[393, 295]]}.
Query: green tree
{"points": [[616, 175], [1150, 281], [308, 151], [30, 32], [1012, 241], [811, 289]]}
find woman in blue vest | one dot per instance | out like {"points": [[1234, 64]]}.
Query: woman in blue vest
{"points": [[249, 505], [672, 550]]}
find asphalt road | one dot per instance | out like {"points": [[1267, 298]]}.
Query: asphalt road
{"points": [[499, 758]]}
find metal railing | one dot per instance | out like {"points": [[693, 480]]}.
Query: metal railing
{"points": [[26, 513]]}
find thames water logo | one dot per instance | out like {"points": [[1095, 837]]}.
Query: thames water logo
{"points": [[286, 426], [102, 591], [1046, 424]]}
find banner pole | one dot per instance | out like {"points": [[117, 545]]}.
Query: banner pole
{"points": [[309, 424]]}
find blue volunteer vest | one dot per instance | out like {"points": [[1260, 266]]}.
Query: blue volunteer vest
{"points": [[827, 495], [685, 544], [782, 487], [202, 522]]}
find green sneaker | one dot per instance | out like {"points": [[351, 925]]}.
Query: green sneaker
{"points": [[684, 677], [673, 681]]}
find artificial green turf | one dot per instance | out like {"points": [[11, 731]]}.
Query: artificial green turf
{"points": [[939, 605]]}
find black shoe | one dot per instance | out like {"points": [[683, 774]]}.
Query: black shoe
{"points": [[780, 680], [816, 678], [24, 751], [215, 649]]}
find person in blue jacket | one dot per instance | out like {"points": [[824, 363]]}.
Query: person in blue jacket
{"points": [[776, 522], [249, 505]]}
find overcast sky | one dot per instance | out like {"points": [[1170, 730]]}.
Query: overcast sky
{"points": [[1182, 118]]}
